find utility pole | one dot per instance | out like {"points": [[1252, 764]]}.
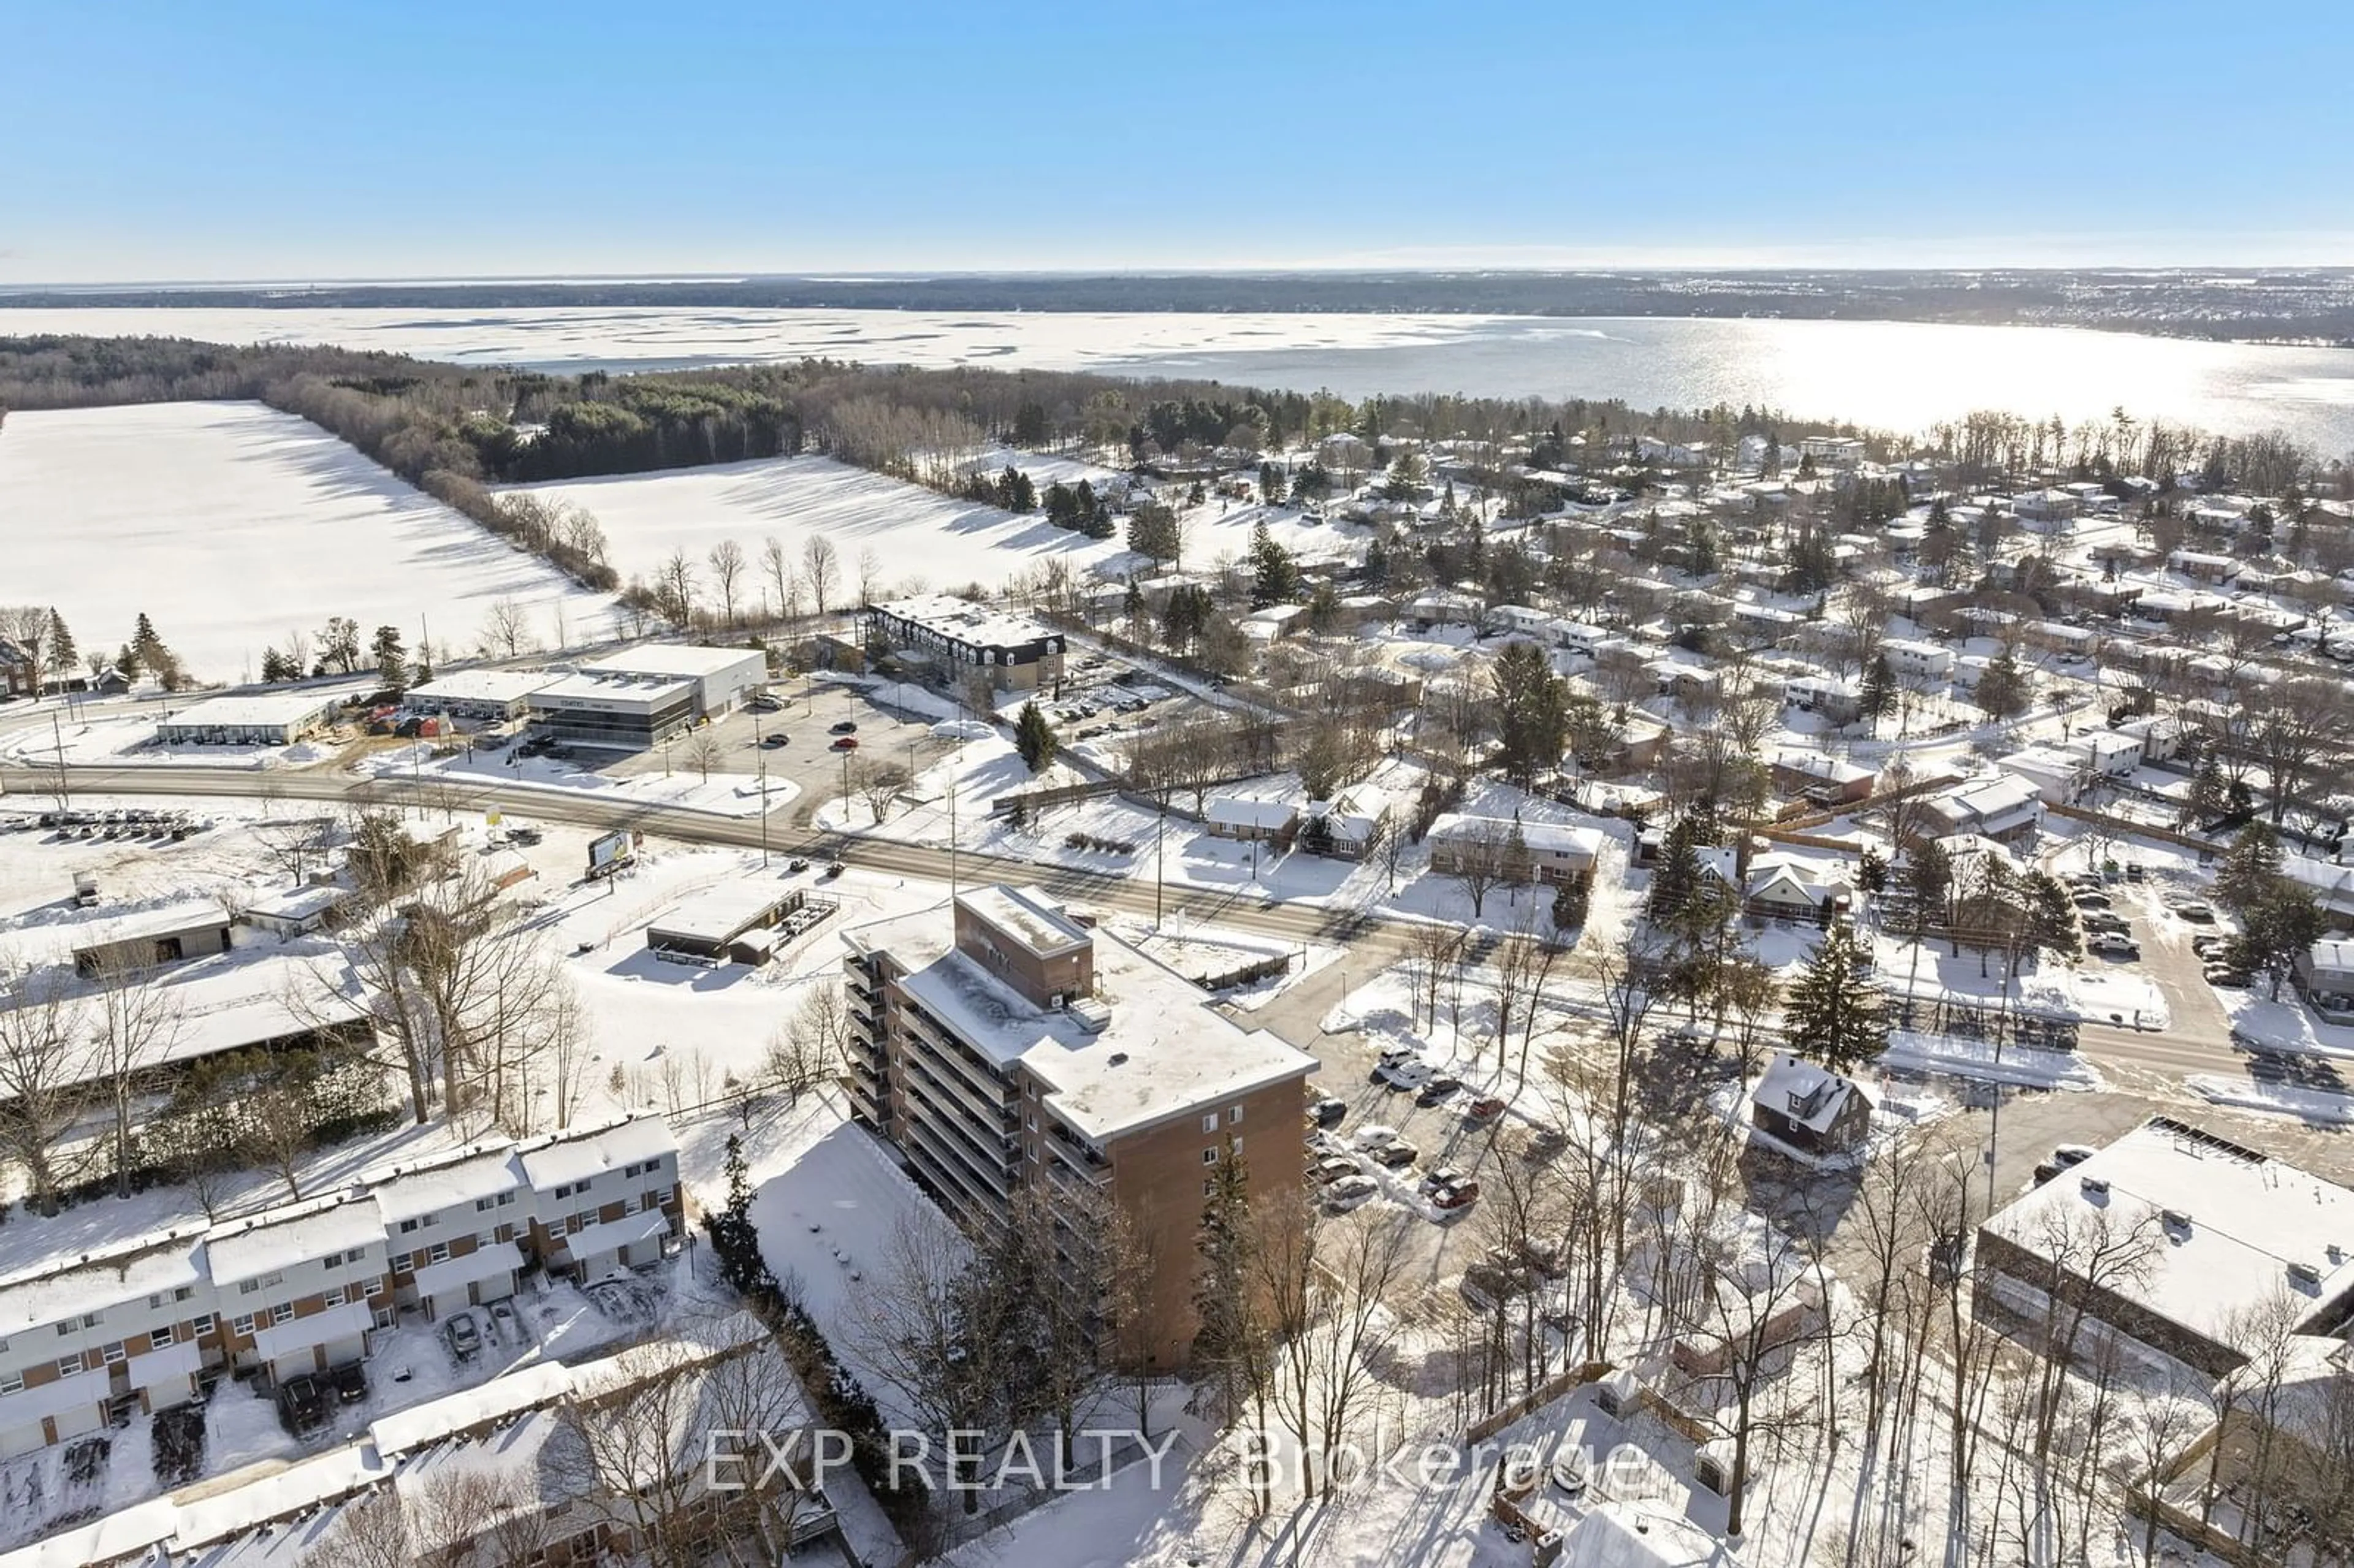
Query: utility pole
{"points": [[760, 756], [64, 791], [1160, 837]]}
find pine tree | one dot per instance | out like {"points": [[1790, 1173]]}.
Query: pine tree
{"points": [[2052, 916], [2249, 870], [1929, 878], [1033, 737], [391, 659], [1275, 576], [2207, 799], [1878, 695], [1835, 1015], [2002, 692], [150, 653], [64, 658]]}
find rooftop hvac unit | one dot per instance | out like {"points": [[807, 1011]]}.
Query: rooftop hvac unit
{"points": [[2094, 1186]]}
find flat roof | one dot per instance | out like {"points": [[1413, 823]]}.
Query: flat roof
{"points": [[626, 690], [276, 708], [717, 914], [1163, 1053], [966, 621], [688, 661], [1028, 913], [182, 915], [2251, 1217], [481, 685]]}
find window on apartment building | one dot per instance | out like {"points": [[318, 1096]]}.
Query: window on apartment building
{"points": [[203, 1323], [333, 1260], [115, 1354], [273, 1278], [1234, 1116], [283, 1313], [70, 1366], [1210, 1122], [243, 1323], [1210, 1187], [397, 1263], [1031, 1122], [248, 1287], [184, 1292], [1209, 1157], [631, 1170], [407, 1226], [1238, 1142], [160, 1336], [563, 1192], [649, 1202], [12, 1383], [386, 1317], [67, 1327], [438, 1253], [154, 1301]]}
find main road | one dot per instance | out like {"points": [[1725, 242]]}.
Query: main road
{"points": [[1374, 941]]}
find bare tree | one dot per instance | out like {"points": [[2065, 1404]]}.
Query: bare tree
{"points": [[27, 626], [781, 582], [877, 783], [371, 1530], [506, 631], [870, 575], [805, 1053], [727, 567], [821, 569], [43, 1065], [1332, 1289], [674, 585], [701, 749], [298, 846], [134, 1025]]}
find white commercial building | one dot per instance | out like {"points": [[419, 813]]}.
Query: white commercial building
{"points": [[274, 719], [643, 696]]}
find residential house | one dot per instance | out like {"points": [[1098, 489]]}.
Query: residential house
{"points": [[605, 1199], [2060, 777], [2009, 810], [1248, 819], [451, 1229], [1910, 659], [301, 1286], [1811, 1109], [1835, 698], [1822, 779], [2325, 973], [84, 1339], [2215, 570], [1558, 854], [1786, 887]]}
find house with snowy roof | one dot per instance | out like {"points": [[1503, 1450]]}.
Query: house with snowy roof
{"points": [[1811, 1109]]}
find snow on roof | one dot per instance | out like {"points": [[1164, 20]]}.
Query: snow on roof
{"points": [[1821, 765], [2251, 1219], [561, 1159], [1546, 838], [346, 1320], [490, 1262], [299, 903], [56, 1288], [672, 660], [2332, 954], [1028, 914], [613, 685], [281, 1238], [164, 920], [717, 914], [1243, 811], [235, 713], [1810, 1096], [409, 1192], [480, 686], [124, 1534], [537, 1383], [1609, 1538], [965, 621], [289, 1489], [1162, 1052]]}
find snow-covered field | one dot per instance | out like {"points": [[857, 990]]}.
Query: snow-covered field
{"points": [[656, 339], [231, 524], [919, 536]]}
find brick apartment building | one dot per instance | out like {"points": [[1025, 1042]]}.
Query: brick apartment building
{"points": [[1008, 1047]]}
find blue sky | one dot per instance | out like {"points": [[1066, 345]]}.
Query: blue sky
{"points": [[232, 140]]}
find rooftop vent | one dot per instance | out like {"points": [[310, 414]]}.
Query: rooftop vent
{"points": [[2094, 1186], [2176, 1219], [2304, 1273], [1090, 1015]]}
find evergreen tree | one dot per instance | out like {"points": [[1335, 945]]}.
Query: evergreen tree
{"points": [[420, 669], [1834, 1015], [2250, 871], [1878, 696], [1062, 506], [1701, 545], [1677, 877], [1033, 737], [391, 659], [1275, 576], [150, 653], [2002, 692], [273, 665], [1532, 711], [64, 658], [1377, 563], [2052, 916], [1153, 531], [2206, 800], [1271, 485], [1929, 878]]}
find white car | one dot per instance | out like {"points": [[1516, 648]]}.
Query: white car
{"points": [[1374, 1134], [1409, 1074], [1347, 1194]]}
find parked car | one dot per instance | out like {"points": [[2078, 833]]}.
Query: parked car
{"points": [[1348, 1193], [351, 1381], [465, 1340], [506, 1322], [1443, 1176], [798, 863], [844, 727], [2208, 944], [2110, 944], [1398, 1151], [1438, 1089], [1372, 1135], [2068, 1154], [845, 743], [2197, 914], [833, 868], [302, 1404], [1332, 1169], [776, 740], [1456, 1196], [1328, 1110], [2230, 979], [2094, 901], [1407, 1075], [1485, 1110]]}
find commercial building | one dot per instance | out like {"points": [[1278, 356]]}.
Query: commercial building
{"points": [[1014, 651], [303, 1288], [133, 944], [489, 697], [2172, 1238], [275, 719], [740, 923], [1007, 1048], [643, 696]]}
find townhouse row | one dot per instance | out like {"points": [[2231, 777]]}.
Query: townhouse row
{"points": [[301, 1287]]}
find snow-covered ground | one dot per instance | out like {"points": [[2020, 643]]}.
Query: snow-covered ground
{"points": [[231, 524], [921, 539], [723, 793]]}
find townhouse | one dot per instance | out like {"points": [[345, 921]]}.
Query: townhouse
{"points": [[305, 1287], [1018, 1051]]}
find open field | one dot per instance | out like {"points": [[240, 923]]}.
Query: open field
{"points": [[231, 524], [917, 534]]}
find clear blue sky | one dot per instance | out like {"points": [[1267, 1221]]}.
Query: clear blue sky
{"points": [[231, 140]]}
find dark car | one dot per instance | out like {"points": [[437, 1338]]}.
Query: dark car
{"points": [[833, 868], [1328, 1112], [350, 1380], [774, 741], [846, 727], [1438, 1089], [302, 1404], [798, 863]]}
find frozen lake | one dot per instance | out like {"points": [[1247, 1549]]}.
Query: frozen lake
{"points": [[1890, 374]]}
